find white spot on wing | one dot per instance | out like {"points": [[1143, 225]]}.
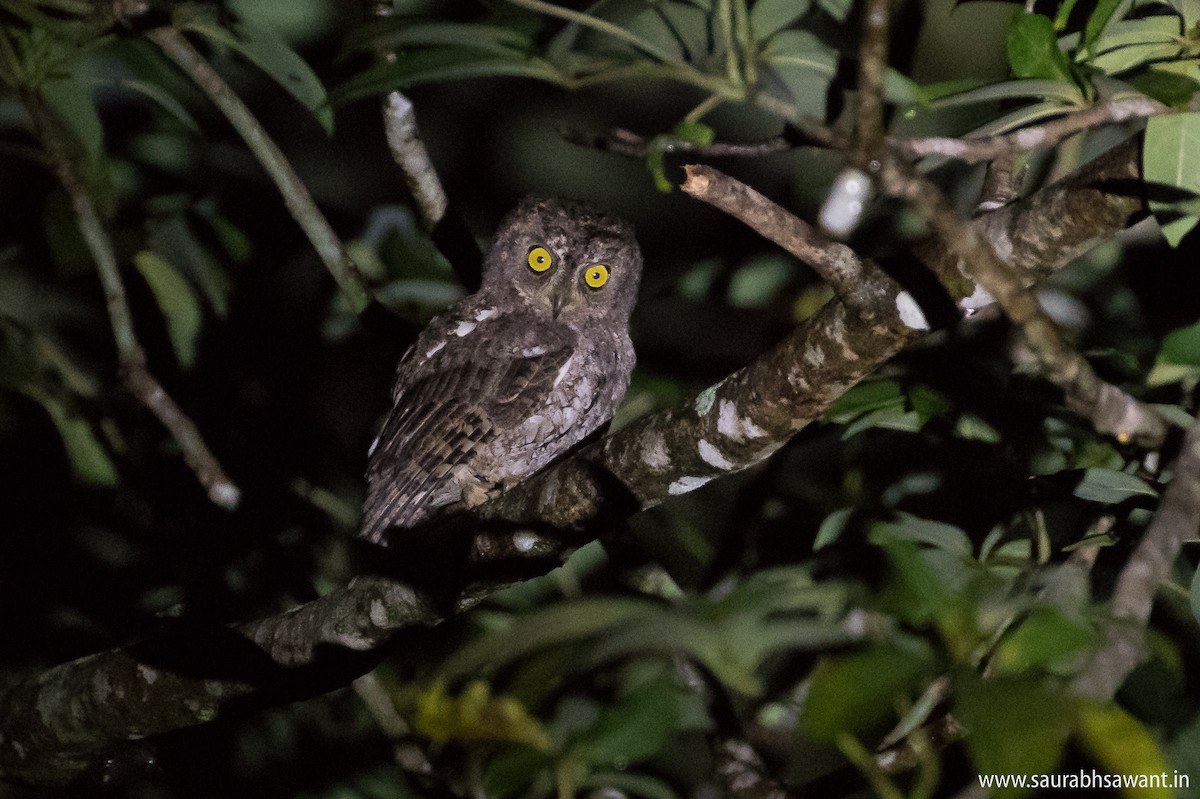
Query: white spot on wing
{"points": [[435, 348], [686, 484], [464, 328], [910, 313], [563, 371], [486, 313], [533, 352], [713, 456]]}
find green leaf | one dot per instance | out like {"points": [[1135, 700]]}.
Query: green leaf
{"points": [[694, 133], [1063, 15], [1169, 88], [1171, 157], [927, 401], [89, 459], [758, 282], [832, 527], [1189, 10], [1065, 92], [164, 98], [1122, 745], [908, 527], [838, 9], [1132, 43], [401, 32], [867, 396], [557, 624], [895, 418], [269, 52], [1047, 638], [1110, 486], [1098, 21], [441, 65], [1017, 726], [70, 100], [803, 67], [1182, 346], [858, 693], [768, 17], [659, 146], [176, 300], [635, 728], [1033, 50], [973, 428], [920, 593]]}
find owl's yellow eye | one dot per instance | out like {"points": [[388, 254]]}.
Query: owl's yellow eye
{"points": [[540, 259], [596, 275]]}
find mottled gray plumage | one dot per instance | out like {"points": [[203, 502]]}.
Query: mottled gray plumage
{"points": [[513, 376]]}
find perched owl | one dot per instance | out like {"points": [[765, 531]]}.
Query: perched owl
{"points": [[514, 375]]}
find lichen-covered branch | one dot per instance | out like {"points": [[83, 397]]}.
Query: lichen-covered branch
{"points": [[295, 194], [1177, 520], [1111, 410], [132, 358], [57, 723]]}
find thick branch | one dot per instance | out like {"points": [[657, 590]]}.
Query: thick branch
{"points": [[295, 194], [53, 725], [1177, 520], [221, 490], [1111, 410]]}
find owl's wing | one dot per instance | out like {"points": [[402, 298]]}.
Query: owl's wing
{"points": [[443, 421]]}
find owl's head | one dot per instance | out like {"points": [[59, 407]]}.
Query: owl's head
{"points": [[566, 258]]}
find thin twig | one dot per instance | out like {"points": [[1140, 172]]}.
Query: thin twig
{"points": [[627, 143], [973, 150], [839, 265], [405, 143], [295, 194], [221, 490], [872, 64], [1176, 521]]}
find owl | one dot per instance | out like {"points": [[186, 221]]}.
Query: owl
{"points": [[513, 376]]}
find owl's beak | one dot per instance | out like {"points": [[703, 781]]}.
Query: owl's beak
{"points": [[557, 301]]}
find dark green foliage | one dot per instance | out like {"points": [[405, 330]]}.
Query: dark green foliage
{"points": [[941, 546]]}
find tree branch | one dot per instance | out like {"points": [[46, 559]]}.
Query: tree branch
{"points": [[405, 143], [840, 267], [872, 64], [1176, 521], [1111, 410], [132, 358], [987, 148], [295, 194], [56, 723]]}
